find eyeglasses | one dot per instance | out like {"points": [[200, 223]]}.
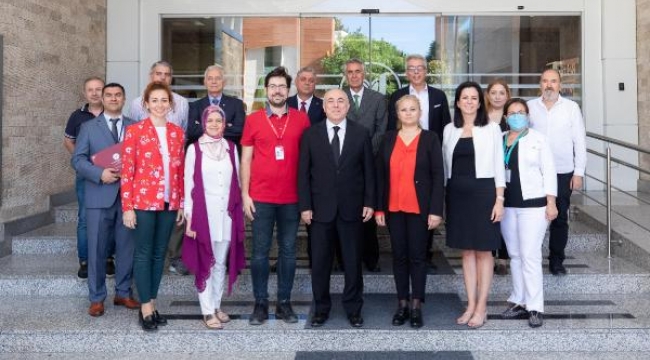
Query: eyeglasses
{"points": [[416, 69], [277, 87], [522, 112]]}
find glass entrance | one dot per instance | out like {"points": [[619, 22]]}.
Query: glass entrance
{"points": [[457, 48]]}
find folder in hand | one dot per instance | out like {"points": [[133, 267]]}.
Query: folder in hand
{"points": [[109, 157]]}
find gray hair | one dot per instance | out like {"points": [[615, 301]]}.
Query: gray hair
{"points": [[213, 67], [162, 63], [308, 69], [354, 61], [416, 57]]}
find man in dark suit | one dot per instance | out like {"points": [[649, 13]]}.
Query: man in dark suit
{"points": [[305, 100], [103, 205], [433, 102], [214, 82], [336, 195], [368, 108]]}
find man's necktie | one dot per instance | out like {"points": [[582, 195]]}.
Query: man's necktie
{"points": [[216, 102], [116, 136], [336, 145], [303, 107], [356, 102]]}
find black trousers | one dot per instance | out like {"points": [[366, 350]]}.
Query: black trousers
{"points": [[370, 244], [559, 229], [337, 245], [408, 238], [323, 239]]}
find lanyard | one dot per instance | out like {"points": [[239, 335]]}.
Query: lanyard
{"points": [[508, 151], [286, 125]]}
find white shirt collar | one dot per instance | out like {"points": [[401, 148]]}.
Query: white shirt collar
{"points": [[343, 124]]}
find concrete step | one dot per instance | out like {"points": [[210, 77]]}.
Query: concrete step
{"points": [[578, 324], [60, 238], [55, 275]]}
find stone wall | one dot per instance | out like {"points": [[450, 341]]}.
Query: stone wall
{"points": [[643, 75], [50, 47]]}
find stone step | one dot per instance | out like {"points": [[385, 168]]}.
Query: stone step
{"points": [[577, 324], [60, 238], [55, 275]]}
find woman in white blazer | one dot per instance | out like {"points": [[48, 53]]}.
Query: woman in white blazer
{"points": [[531, 187], [475, 177]]}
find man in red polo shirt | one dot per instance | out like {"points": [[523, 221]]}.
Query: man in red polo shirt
{"points": [[269, 175]]}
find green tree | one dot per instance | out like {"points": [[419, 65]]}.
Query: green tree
{"points": [[356, 45]]}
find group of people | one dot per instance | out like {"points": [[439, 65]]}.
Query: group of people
{"points": [[343, 165]]}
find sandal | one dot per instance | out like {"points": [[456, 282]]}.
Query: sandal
{"points": [[464, 319], [212, 322], [477, 324], [222, 316]]}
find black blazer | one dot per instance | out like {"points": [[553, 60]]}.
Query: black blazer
{"points": [[329, 190], [316, 112], [235, 116], [429, 173], [439, 115]]}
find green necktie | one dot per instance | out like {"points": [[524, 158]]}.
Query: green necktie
{"points": [[356, 102]]}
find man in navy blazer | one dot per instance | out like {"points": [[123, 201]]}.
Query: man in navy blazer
{"points": [[214, 82], [336, 196], [305, 100], [433, 102], [102, 201]]}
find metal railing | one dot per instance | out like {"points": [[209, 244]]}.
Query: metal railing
{"points": [[608, 180]]}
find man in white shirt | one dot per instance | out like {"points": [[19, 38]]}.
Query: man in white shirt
{"points": [[161, 71], [560, 119]]}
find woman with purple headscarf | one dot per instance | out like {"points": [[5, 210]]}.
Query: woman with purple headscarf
{"points": [[213, 208]]}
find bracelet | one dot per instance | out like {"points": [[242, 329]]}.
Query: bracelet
{"points": [[501, 198]]}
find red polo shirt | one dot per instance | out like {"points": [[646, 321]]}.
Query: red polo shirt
{"points": [[274, 180]]}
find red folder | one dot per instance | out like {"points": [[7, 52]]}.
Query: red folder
{"points": [[109, 157]]}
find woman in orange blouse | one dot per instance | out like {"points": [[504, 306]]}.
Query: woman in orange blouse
{"points": [[410, 179], [152, 194]]}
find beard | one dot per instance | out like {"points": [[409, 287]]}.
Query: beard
{"points": [[277, 102], [550, 95]]}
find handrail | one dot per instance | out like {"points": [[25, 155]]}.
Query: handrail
{"points": [[608, 182]]}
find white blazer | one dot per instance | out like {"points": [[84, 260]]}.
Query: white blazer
{"points": [[536, 166], [488, 151]]}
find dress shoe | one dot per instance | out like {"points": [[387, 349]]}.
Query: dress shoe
{"points": [[515, 312], [127, 302], [110, 267], [318, 320], [82, 273], [148, 323], [374, 268], [260, 313], [401, 315], [501, 269], [96, 309], [356, 320], [536, 319], [159, 319], [284, 311], [557, 269], [416, 318]]}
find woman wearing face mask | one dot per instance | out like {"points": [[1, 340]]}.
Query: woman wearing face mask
{"points": [[531, 186], [214, 213]]}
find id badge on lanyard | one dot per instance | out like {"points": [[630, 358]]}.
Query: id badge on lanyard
{"points": [[279, 152], [279, 148], [508, 173]]}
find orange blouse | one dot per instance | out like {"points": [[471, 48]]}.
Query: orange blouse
{"points": [[401, 195]]}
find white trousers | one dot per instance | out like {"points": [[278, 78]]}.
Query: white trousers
{"points": [[210, 298], [523, 230]]}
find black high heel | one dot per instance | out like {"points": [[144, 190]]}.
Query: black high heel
{"points": [[159, 319], [148, 323], [401, 315]]}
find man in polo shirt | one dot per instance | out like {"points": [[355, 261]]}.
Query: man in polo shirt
{"points": [[92, 91], [269, 176], [561, 120]]}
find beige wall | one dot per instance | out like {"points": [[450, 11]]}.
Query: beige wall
{"points": [[643, 72], [50, 47]]}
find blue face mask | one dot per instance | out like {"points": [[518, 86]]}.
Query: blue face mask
{"points": [[517, 122]]}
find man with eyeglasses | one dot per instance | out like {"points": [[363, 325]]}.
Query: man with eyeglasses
{"points": [[433, 102], [560, 119], [214, 82], [269, 176], [368, 108]]}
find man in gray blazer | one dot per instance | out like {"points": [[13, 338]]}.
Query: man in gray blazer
{"points": [[368, 108], [102, 201]]}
